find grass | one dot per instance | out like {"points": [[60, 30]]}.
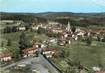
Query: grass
{"points": [[89, 56]]}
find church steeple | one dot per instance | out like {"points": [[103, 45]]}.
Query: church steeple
{"points": [[68, 27]]}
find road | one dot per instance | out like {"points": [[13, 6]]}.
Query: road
{"points": [[39, 63], [27, 60], [49, 66], [40, 68]]}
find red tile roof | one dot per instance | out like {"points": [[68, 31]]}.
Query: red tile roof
{"points": [[100, 72], [27, 49], [93, 30], [4, 54], [50, 49]]}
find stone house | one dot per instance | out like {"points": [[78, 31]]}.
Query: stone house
{"points": [[5, 56], [28, 52], [48, 52]]}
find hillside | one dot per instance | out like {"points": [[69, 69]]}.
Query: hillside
{"points": [[62, 17], [82, 18], [26, 17]]}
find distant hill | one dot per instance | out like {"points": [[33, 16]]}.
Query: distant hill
{"points": [[26, 17], [62, 17], [70, 14], [81, 19]]}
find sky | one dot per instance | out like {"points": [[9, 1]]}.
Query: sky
{"points": [[35, 6]]}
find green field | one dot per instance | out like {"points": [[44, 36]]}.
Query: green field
{"points": [[88, 56]]}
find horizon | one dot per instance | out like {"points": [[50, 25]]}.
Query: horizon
{"points": [[40, 6], [51, 12]]}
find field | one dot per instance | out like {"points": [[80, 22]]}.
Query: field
{"points": [[88, 56]]}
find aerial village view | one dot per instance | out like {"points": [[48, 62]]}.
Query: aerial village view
{"points": [[59, 36]]}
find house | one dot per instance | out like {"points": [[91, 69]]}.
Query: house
{"points": [[52, 23], [66, 34], [65, 39], [5, 56], [34, 28], [96, 68], [62, 41], [6, 21], [74, 36], [52, 40], [57, 30], [80, 33], [48, 52], [37, 27], [39, 45], [28, 52], [21, 28]]}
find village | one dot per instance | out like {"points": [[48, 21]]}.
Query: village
{"points": [[53, 37]]}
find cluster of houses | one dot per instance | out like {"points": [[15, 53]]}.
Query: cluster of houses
{"points": [[38, 48], [53, 27], [6, 56], [66, 34]]}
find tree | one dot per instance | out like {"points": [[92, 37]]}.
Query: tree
{"points": [[70, 70], [72, 66], [23, 42], [7, 29], [98, 38], [103, 40], [2, 44], [41, 30], [8, 42], [14, 29], [73, 28], [15, 53], [88, 40], [63, 53]]}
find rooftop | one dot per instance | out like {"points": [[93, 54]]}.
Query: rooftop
{"points": [[28, 49], [5, 54]]}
